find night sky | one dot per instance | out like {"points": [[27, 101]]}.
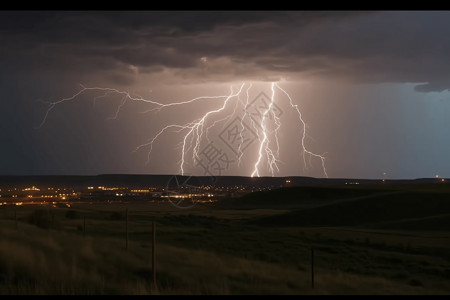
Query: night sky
{"points": [[372, 87]]}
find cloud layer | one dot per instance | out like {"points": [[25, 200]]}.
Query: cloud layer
{"points": [[369, 47]]}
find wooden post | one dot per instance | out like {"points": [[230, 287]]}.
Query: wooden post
{"points": [[84, 225], [153, 253], [126, 228], [312, 267], [15, 218]]}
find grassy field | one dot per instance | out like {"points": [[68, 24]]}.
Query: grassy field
{"points": [[366, 240]]}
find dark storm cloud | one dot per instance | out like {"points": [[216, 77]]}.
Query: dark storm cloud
{"points": [[46, 55], [392, 46]]}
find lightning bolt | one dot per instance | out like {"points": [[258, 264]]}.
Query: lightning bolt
{"points": [[197, 130], [240, 152], [305, 151], [263, 145]]}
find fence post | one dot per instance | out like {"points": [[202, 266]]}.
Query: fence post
{"points": [[312, 267], [15, 218], [84, 225], [154, 253], [126, 228]]}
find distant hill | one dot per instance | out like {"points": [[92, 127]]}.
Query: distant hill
{"points": [[131, 180], [417, 204], [298, 197], [84, 181], [426, 209]]}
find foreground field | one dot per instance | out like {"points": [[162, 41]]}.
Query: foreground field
{"points": [[364, 241]]}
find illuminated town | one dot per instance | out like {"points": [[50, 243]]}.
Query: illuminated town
{"points": [[60, 195], [65, 196]]}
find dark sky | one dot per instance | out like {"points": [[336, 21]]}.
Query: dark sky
{"points": [[371, 86]]}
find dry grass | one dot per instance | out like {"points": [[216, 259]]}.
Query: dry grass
{"points": [[199, 255]]}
